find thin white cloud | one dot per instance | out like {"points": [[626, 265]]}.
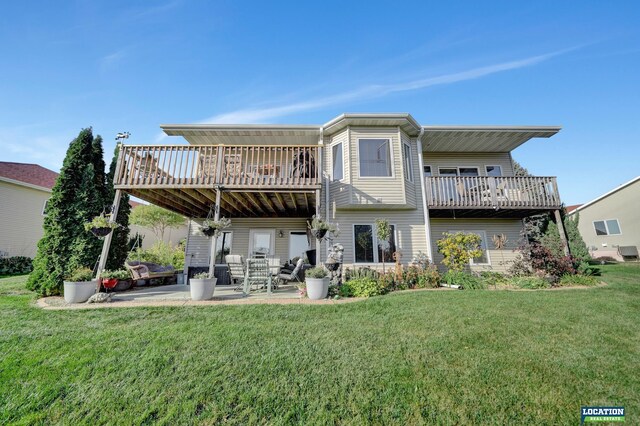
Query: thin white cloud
{"points": [[265, 114]]}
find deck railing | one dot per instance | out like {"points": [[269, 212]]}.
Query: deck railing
{"points": [[472, 192], [176, 166]]}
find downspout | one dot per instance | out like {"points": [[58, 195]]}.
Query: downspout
{"points": [[425, 210]]}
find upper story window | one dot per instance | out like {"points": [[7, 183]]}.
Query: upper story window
{"points": [[406, 159], [375, 157], [427, 171], [44, 207], [338, 162], [607, 227], [494, 170]]}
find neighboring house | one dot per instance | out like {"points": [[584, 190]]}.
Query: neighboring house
{"points": [[24, 190], [611, 221], [270, 179]]}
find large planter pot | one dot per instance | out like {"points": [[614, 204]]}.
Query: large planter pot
{"points": [[123, 285], [79, 292], [317, 288], [202, 289]]}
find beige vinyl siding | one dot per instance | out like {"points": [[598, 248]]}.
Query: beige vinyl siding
{"points": [[21, 218], [499, 259], [409, 231], [376, 190], [469, 159], [199, 245]]}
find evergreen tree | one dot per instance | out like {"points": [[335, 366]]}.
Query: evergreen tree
{"points": [[65, 215], [93, 193], [577, 245], [535, 226], [551, 240], [120, 239]]}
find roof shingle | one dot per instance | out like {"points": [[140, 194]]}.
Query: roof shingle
{"points": [[32, 174]]}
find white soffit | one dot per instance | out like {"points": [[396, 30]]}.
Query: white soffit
{"points": [[244, 134], [481, 138], [403, 120]]}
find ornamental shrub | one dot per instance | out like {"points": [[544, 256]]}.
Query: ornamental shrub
{"points": [[160, 253], [16, 265], [463, 279], [572, 280], [458, 249], [365, 287]]}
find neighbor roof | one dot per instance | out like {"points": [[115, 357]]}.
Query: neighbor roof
{"points": [[613, 191], [28, 174]]}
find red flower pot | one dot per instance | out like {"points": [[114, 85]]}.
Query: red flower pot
{"points": [[109, 283]]}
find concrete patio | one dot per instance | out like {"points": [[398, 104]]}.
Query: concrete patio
{"points": [[178, 295]]}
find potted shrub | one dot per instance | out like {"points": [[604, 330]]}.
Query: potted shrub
{"points": [[213, 228], [79, 286], [100, 225], [319, 227], [116, 280], [202, 286], [317, 283]]}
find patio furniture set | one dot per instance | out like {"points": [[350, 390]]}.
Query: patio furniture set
{"points": [[261, 272]]}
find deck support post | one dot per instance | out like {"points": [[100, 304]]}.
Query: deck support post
{"points": [[561, 231], [318, 248], [107, 240], [214, 239], [423, 190]]}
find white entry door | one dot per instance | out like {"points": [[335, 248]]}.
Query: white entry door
{"points": [[262, 241]]}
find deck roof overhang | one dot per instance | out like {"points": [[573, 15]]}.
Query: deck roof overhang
{"points": [[245, 134], [481, 138]]}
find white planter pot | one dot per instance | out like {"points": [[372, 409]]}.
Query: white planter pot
{"points": [[317, 288], [202, 289], [79, 292]]}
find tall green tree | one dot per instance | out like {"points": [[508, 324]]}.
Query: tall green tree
{"points": [[156, 219], [120, 239], [66, 212], [577, 245]]}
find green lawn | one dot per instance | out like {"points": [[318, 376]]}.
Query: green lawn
{"points": [[446, 357]]}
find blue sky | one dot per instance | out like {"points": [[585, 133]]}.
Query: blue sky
{"points": [[130, 66]]}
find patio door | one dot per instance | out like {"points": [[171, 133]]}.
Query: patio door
{"points": [[262, 241], [298, 244]]}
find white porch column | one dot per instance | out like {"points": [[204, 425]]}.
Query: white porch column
{"points": [[318, 247], [425, 210], [107, 240], [214, 239]]}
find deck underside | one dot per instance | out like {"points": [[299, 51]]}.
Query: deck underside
{"points": [[196, 202]]}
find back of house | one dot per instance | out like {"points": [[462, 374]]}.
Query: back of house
{"points": [[270, 180]]}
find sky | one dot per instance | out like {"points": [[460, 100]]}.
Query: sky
{"points": [[133, 65]]}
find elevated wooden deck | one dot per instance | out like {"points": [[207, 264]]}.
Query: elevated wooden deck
{"points": [[256, 181], [488, 196]]}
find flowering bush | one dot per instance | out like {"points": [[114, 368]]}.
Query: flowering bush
{"points": [[458, 249]]}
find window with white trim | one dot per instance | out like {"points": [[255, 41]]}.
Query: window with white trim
{"points": [[223, 247], [406, 159], [374, 157], [483, 259], [44, 207], [607, 227], [426, 170], [494, 170], [338, 162], [367, 247]]}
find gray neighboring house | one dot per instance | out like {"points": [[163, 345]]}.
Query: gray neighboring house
{"points": [[610, 224]]}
